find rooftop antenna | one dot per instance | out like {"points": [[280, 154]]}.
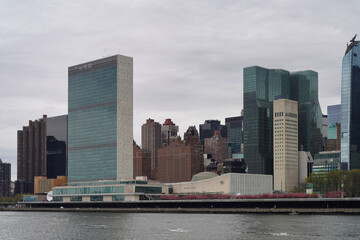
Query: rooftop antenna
{"points": [[353, 39]]}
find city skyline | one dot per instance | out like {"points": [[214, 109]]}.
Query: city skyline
{"points": [[187, 47]]}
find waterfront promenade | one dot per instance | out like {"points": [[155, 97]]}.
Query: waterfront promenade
{"points": [[300, 205]]}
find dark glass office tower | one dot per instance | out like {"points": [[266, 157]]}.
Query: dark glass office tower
{"points": [[334, 114], [304, 90], [350, 106], [261, 86], [207, 129], [56, 146], [235, 134], [100, 122]]}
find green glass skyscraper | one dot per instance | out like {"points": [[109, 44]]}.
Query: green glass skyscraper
{"points": [[100, 120], [304, 90], [261, 86]]}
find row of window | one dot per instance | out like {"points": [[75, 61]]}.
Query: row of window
{"points": [[293, 115], [288, 120], [325, 156], [88, 190], [92, 198], [279, 114]]}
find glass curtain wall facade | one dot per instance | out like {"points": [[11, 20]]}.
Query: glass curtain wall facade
{"points": [[332, 130], [304, 90], [100, 120], [234, 127], [334, 114], [261, 86], [56, 146], [326, 162], [350, 106]]}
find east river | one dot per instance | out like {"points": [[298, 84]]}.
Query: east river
{"points": [[80, 225]]}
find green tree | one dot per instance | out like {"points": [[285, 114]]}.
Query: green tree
{"points": [[352, 183], [335, 180], [300, 188], [17, 198], [319, 181]]}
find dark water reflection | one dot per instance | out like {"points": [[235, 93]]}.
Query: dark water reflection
{"points": [[54, 225]]}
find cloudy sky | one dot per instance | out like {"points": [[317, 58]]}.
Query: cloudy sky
{"points": [[188, 55]]}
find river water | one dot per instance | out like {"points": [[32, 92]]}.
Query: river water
{"points": [[76, 225]]}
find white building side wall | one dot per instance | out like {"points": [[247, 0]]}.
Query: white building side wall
{"points": [[124, 118]]}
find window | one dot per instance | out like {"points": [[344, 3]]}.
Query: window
{"points": [[143, 189], [96, 198], [76, 198], [57, 199], [118, 198]]}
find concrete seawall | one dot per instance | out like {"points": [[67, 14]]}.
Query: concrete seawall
{"points": [[197, 210], [284, 206]]}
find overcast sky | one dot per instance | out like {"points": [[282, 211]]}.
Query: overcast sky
{"points": [[188, 55]]}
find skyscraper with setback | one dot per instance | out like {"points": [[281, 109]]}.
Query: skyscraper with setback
{"points": [[261, 86]]}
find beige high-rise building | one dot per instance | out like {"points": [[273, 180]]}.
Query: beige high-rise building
{"points": [[285, 127]]}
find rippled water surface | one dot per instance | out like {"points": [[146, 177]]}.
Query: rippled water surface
{"points": [[70, 225]]}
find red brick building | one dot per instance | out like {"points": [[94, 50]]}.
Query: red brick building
{"points": [[180, 160], [141, 162], [218, 147]]}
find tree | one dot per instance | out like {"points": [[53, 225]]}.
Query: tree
{"points": [[335, 180], [319, 181], [352, 183], [300, 188]]}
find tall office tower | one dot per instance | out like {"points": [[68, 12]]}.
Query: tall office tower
{"points": [[31, 155], [180, 160], [168, 130], [56, 146], [350, 106], [261, 86], [218, 147], [235, 133], [207, 129], [100, 123], [151, 141], [286, 158], [142, 162], [333, 113], [5, 179], [304, 90], [42, 151]]}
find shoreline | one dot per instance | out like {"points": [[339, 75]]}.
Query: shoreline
{"points": [[291, 211]]}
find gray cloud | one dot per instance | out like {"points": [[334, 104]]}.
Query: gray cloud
{"points": [[188, 55]]}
